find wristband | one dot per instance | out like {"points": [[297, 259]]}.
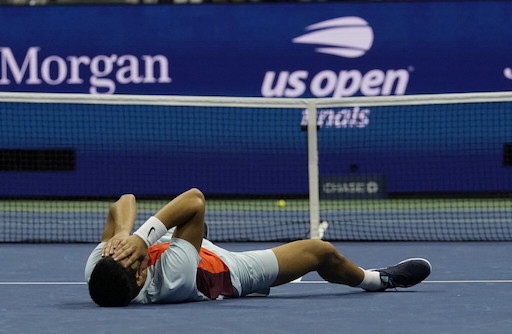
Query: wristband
{"points": [[152, 230]]}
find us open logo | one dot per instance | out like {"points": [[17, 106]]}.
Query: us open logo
{"points": [[348, 37]]}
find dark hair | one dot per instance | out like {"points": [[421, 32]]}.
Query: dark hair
{"points": [[111, 284]]}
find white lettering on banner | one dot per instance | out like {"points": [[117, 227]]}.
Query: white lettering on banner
{"points": [[344, 118], [329, 83], [350, 187], [56, 70]]}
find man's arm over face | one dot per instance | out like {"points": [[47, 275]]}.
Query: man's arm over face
{"points": [[120, 221], [185, 212]]}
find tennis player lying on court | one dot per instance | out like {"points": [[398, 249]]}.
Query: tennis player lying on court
{"points": [[152, 266]]}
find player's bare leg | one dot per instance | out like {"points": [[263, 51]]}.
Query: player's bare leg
{"points": [[297, 258], [301, 257]]}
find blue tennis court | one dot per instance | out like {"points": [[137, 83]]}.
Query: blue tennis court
{"points": [[469, 291]]}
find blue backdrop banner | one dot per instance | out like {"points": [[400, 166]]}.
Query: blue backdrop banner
{"points": [[274, 50]]}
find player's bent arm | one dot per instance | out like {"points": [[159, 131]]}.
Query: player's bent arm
{"points": [[120, 221], [185, 212]]}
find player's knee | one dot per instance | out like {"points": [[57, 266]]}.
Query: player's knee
{"points": [[196, 197], [195, 192], [324, 250]]}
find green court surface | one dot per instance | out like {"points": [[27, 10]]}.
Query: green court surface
{"points": [[268, 204], [276, 219]]}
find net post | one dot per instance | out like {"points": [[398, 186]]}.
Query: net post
{"points": [[314, 198]]}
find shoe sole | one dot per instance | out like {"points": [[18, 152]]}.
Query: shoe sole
{"points": [[411, 259], [418, 259]]}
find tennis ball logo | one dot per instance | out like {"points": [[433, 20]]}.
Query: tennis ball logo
{"points": [[348, 37], [507, 72]]}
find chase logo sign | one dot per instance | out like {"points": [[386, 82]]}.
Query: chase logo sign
{"points": [[353, 186], [348, 37]]}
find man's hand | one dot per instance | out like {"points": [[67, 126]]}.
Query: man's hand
{"points": [[114, 243], [131, 249]]}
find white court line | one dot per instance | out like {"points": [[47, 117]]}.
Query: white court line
{"points": [[473, 281], [298, 280], [42, 283], [454, 281]]}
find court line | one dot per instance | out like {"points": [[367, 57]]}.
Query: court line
{"points": [[442, 282], [299, 280], [42, 283]]}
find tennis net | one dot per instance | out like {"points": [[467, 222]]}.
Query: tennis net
{"points": [[430, 167]]}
